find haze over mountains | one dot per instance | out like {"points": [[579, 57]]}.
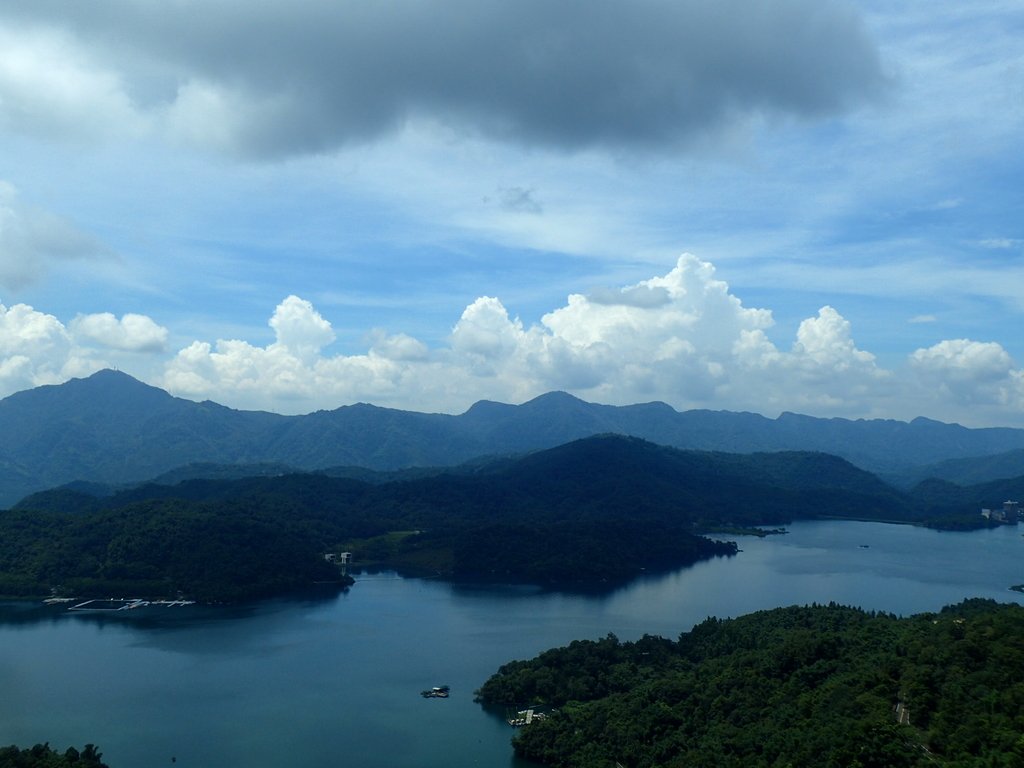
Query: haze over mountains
{"points": [[111, 428]]}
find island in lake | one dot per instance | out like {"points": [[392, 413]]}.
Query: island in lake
{"points": [[591, 514]]}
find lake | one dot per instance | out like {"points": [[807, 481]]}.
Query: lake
{"points": [[333, 680]]}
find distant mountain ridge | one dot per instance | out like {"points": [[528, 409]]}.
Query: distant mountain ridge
{"points": [[969, 470], [111, 428], [613, 476]]}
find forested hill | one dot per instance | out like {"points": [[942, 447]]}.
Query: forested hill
{"points": [[601, 477], [110, 428], [592, 513], [812, 686], [973, 470], [44, 756]]}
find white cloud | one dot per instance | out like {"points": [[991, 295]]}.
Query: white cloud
{"points": [[51, 86], [696, 345], [825, 341], [132, 333], [485, 331], [826, 372], [399, 347], [260, 376], [964, 359], [689, 304], [35, 349], [25, 331], [300, 329], [970, 373]]}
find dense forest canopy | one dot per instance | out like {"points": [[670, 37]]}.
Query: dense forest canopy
{"points": [[165, 548], [44, 756], [813, 686], [595, 512]]}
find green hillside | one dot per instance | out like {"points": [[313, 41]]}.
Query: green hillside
{"points": [[816, 686], [589, 514]]}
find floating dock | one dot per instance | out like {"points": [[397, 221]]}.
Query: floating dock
{"points": [[110, 604], [524, 717]]}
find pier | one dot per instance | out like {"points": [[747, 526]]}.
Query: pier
{"points": [[111, 604], [524, 717]]}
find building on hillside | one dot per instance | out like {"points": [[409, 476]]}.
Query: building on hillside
{"points": [[1009, 513]]}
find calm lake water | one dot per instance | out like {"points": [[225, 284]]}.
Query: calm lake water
{"points": [[336, 680]]}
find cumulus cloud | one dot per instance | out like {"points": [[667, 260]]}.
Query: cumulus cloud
{"points": [[970, 372], [485, 331], [400, 347], [964, 358], [35, 349], [300, 329], [825, 341], [314, 75], [132, 333], [23, 330], [32, 240], [681, 337], [290, 368], [827, 371]]}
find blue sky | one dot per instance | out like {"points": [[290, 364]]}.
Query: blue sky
{"points": [[798, 205]]}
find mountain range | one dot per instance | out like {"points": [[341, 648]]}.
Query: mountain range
{"points": [[110, 428]]}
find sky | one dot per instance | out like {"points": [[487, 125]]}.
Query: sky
{"points": [[789, 205]]}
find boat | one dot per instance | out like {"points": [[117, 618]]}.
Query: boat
{"points": [[438, 692]]}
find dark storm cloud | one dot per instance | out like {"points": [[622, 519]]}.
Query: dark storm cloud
{"points": [[567, 74]]}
